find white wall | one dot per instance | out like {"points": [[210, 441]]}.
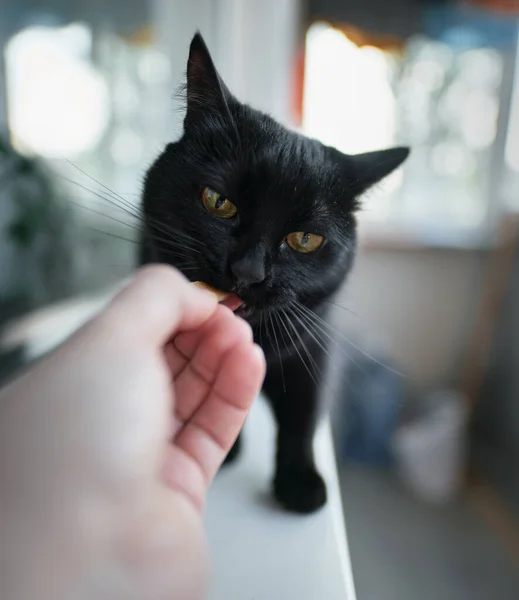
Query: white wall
{"points": [[421, 304], [256, 50], [253, 45]]}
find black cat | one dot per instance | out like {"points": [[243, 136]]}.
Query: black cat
{"points": [[245, 205]]}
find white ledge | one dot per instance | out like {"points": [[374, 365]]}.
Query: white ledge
{"points": [[259, 552]]}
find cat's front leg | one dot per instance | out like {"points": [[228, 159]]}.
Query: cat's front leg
{"points": [[298, 486]]}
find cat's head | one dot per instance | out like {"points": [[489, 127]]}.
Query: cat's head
{"points": [[246, 205]]}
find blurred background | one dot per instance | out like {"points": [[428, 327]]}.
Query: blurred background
{"points": [[427, 423]]}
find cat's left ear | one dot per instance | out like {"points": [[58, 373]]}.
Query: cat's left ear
{"points": [[369, 168], [205, 89]]}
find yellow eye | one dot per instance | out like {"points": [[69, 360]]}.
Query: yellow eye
{"points": [[304, 242], [217, 205]]}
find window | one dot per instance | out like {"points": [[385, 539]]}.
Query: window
{"points": [[441, 97], [89, 102]]}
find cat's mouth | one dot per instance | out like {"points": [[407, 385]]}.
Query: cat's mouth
{"points": [[229, 299], [241, 307], [234, 302]]}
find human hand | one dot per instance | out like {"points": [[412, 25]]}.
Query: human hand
{"points": [[117, 435]]}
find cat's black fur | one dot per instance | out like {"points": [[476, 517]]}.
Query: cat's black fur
{"points": [[281, 182]]}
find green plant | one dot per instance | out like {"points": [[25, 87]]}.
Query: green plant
{"points": [[30, 191], [37, 224]]}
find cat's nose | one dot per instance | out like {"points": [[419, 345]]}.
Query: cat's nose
{"points": [[249, 269]]}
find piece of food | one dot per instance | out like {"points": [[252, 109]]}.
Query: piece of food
{"points": [[229, 299], [218, 293]]}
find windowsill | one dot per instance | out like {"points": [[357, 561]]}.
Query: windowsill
{"points": [[259, 551]]}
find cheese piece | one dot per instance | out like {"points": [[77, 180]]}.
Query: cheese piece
{"points": [[218, 293]]}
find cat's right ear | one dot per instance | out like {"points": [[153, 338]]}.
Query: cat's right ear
{"points": [[205, 88]]}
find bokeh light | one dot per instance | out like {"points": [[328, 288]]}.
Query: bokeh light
{"points": [[57, 100]]}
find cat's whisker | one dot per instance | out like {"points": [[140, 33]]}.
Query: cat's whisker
{"points": [[110, 191], [324, 323], [184, 257], [111, 217], [309, 370], [188, 262], [134, 212], [176, 252], [318, 329], [325, 335], [187, 268], [103, 197], [167, 241], [345, 308], [277, 318], [307, 327], [115, 235], [278, 350], [260, 328], [131, 266], [303, 344], [104, 215], [325, 338], [172, 243], [129, 209], [291, 340], [170, 230]]}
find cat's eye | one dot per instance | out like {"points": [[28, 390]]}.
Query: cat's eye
{"points": [[217, 205], [304, 242]]}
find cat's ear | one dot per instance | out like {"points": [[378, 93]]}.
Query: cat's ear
{"points": [[371, 167], [205, 88]]}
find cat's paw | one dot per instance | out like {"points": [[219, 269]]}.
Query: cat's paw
{"points": [[234, 452], [300, 489]]}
